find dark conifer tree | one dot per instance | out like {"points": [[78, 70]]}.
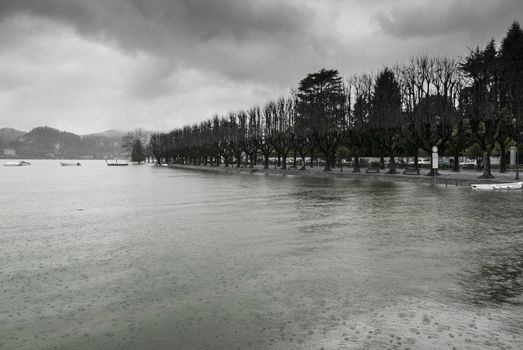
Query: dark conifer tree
{"points": [[321, 101], [511, 57], [385, 122], [480, 66]]}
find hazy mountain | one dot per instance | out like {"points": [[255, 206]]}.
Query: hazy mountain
{"points": [[47, 142], [108, 133], [8, 135]]}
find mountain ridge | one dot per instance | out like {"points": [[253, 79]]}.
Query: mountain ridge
{"points": [[44, 142], [8, 135]]}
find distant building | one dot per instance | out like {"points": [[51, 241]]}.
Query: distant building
{"points": [[9, 152]]}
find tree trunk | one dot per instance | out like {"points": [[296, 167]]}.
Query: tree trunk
{"points": [[382, 162], [327, 162], [455, 166], [279, 160], [284, 162], [356, 164], [266, 161], [502, 158], [238, 160], [392, 169], [327, 157], [487, 174], [312, 159], [302, 161]]}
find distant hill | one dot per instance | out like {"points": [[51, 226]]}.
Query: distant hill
{"points": [[109, 133], [49, 143], [8, 135]]}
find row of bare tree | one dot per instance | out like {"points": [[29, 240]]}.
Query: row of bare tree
{"points": [[428, 101]]}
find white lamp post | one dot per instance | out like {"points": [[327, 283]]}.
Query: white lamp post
{"points": [[435, 162]]}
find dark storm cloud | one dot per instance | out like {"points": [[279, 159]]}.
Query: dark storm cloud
{"points": [[241, 20], [202, 33], [475, 18], [161, 24]]}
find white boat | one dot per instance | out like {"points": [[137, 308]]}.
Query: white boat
{"points": [[69, 164], [19, 163], [117, 162], [498, 187]]}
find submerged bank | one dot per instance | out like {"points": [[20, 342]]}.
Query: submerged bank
{"points": [[446, 178]]}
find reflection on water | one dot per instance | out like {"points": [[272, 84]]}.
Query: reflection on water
{"points": [[154, 258], [497, 277]]}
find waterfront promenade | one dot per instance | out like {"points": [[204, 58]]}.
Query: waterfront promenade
{"points": [[465, 177]]}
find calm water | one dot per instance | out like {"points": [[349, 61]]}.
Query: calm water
{"points": [[137, 257]]}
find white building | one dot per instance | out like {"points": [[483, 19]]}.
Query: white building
{"points": [[9, 152]]}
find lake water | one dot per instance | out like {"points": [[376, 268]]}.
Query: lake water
{"points": [[139, 257]]}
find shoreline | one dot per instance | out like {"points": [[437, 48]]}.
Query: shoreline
{"points": [[446, 178]]}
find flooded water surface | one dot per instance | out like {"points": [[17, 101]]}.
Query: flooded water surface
{"points": [[139, 257]]}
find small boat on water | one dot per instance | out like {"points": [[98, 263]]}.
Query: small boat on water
{"points": [[116, 162], [498, 187], [19, 163], [69, 164]]}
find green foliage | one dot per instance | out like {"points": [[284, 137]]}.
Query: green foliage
{"points": [[321, 103], [134, 143], [138, 151], [387, 102], [511, 56], [423, 153], [342, 152], [473, 151], [321, 99]]}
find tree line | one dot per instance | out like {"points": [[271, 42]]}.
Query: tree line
{"points": [[403, 110], [135, 145]]}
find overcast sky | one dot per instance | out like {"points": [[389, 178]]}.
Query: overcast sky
{"points": [[91, 65]]}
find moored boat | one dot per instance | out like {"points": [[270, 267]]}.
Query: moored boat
{"points": [[117, 162], [70, 164], [19, 163], [498, 186]]}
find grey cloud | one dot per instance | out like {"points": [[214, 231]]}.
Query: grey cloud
{"points": [[474, 18], [209, 33], [241, 20], [52, 8], [161, 24], [183, 60]]}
